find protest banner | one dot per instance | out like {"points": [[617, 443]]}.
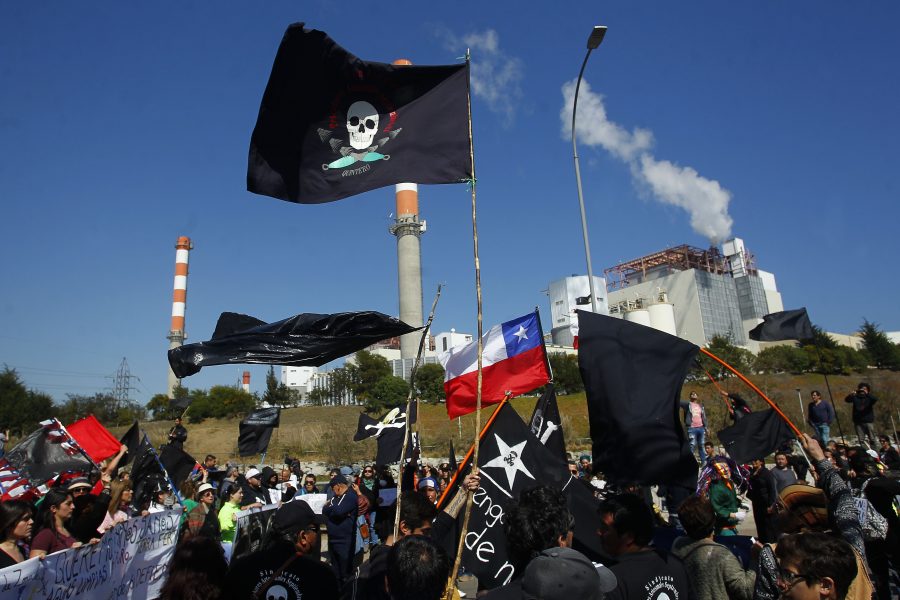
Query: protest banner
{"points": [[251, 529], [130, 561]]}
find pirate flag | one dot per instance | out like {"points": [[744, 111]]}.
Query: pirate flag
{"points": [[388, 431], [546, 424], [332, 125], [306, 339]]}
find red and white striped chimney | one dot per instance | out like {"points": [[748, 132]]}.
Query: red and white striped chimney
{"points": [[179, 300], [246, 382]]}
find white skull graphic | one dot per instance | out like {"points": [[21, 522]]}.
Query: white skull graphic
{"points": [[362, 124], [276, 592]]}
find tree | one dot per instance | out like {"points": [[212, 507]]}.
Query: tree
{"points": [[430, 383], [277, 393], [21, 409], [318, 397], [368, 370], [882, 353], [822, 339], [161, 408], [780, 359], [389, 391], [722, 347], [566, 376]]}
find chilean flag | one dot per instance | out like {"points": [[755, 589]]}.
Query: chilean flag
{"points": [[513, 363]]}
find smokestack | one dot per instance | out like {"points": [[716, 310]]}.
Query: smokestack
{"points": [[179, 299], [407, 228], [246, 384]]}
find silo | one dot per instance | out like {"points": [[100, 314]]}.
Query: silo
{"points": [[641, 316], [662, 317]]}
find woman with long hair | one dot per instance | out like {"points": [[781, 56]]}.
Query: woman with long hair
{"points": [[53, 517], [228, 513], [196, 572], [15, 531], [119, 509]]}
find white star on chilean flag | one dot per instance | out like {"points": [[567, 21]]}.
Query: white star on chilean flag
{"points": [[513, 363]]}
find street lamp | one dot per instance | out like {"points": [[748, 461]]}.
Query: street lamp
{"points": [[593, 42]]}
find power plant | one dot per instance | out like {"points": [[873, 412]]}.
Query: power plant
{"points": [[176, 335]]}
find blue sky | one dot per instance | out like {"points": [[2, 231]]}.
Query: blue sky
{"points": [[125, 126]]}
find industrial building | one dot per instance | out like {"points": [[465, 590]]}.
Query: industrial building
{"points": [[566, 296], [701, 293]]}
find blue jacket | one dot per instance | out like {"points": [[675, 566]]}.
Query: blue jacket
{"points": [[686, 409], [340, 514]]}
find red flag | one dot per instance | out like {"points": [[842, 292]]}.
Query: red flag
{"points": [[94, 438]]}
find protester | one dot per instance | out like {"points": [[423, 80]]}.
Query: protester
{"points": [[230, 479], [196, 572], [203, 519], [815, 565], [340, 512], [287, 484], [254, 493], [737, 406], [724, 502], [565, 574], [119, 508], [783, 474], [820, 414], [428, 488], [888, 454], [15, 530], [763, 496], [309, 485], [417, 569], [713, 571], [228, 514], [626, 529], [695, 422], [863, 414], [584, 467], [178, 434], [287, 566], [160, 498], [89, 510], [188, 491], [53, 534]]}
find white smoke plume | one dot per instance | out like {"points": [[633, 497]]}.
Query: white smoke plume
{"points": [[496, 77], [704, 199]]}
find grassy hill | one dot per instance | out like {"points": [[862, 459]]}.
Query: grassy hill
{"points": [[325, 433]]}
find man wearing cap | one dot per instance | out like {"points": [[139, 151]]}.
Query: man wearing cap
{"points": [[863, 414], [626, 529], [340, 513], [287, 565], [566, 574], [428, 488], [254, 492]]}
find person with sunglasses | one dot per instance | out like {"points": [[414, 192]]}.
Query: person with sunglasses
{"points": [[309, 485], [203, 518]]}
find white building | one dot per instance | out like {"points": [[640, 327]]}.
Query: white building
{"points": [[568, 295]]}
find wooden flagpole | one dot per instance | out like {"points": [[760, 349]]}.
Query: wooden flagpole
{"points": [[753, 387], [451, 584], [409, 401]]}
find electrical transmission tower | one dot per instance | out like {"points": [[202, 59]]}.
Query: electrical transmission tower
{"points": [[122, 387]]}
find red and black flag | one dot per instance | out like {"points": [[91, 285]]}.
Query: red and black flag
{"points": [[632, 377], [784, 325], [332, 125], [755, 435], [302, 340], [255, 430]]}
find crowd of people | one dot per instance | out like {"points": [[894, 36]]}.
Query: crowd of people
{"points": [[826, 526]]}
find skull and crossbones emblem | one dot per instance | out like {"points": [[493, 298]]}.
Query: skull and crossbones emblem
{"points": [[361, 127]]}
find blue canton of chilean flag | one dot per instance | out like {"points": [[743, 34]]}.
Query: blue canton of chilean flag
{"points": [[513, 363]]}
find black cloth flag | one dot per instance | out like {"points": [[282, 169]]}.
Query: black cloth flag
{"points": [[583, 505], [256, 430], [388, 431], [132, 440], [306, 339], [546, 423], [452, 465], [785, 325], [331, 125], [511, 460], [146, 472], [177, 462], [632, 377], [755, 435]]}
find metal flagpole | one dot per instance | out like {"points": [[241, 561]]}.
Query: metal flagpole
{"points": [[451, 584], [803, 416], [409, 401]]}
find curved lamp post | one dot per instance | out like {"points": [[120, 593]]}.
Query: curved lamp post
{"points": [[593, 42]]}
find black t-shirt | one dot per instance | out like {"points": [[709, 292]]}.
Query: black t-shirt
{"points": [[304, 578], [649, 575]]}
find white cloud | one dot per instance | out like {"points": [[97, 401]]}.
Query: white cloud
{"points": [[496, 77], [705, 200]]}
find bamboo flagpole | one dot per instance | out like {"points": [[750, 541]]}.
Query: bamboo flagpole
{"points": [[753, 387], [451, 584], [409, 401]]}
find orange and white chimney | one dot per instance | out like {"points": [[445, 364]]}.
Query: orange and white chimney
{"points": [[246, 382], [176, 335]]}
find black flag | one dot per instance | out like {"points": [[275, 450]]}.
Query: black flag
{"points": [[177, 462], [452, 465], [756, 435], [146, 472], [546, 424], [256, 430], [302, 340], [632, 377], [388, 430], [332, 125], [131, 439], [785, 325], [511, 460]]}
